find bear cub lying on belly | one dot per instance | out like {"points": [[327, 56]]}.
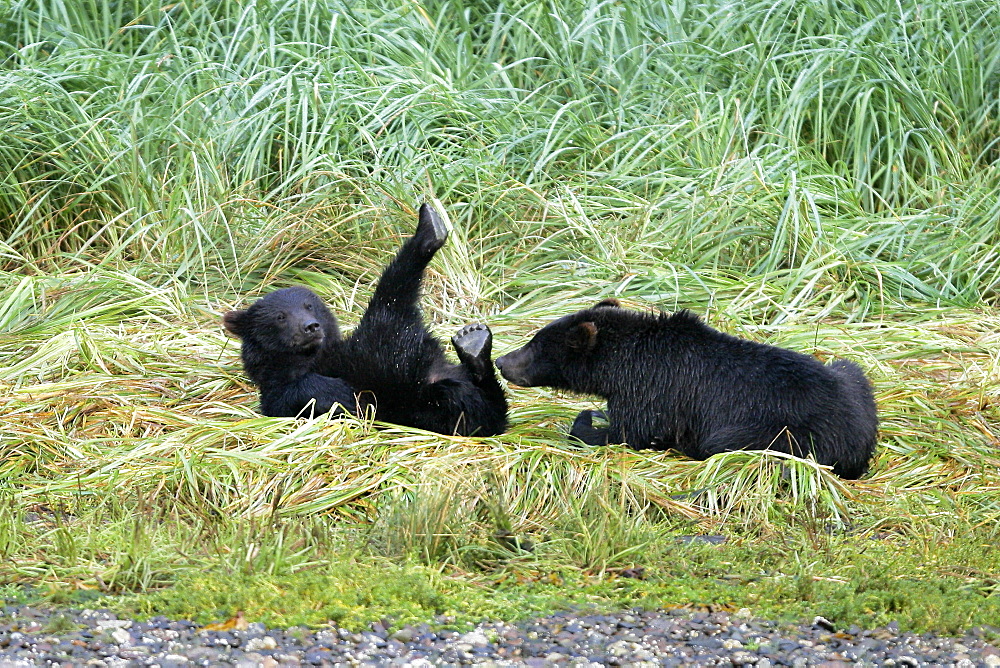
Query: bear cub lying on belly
{"points": [[672, 381]]}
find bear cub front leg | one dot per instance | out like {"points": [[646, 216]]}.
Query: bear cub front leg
{"points": [[584, 429]]}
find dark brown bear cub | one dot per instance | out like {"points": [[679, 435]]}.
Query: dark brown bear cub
{"points": [[672, 381], [390, 365]]}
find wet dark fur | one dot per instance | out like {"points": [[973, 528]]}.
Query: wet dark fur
{"points": [[671, 381], [390, 364], [286, 337]]}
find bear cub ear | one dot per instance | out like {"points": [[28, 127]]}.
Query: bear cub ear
{"points": [[582, 338], [235, 322], [610, 301]]}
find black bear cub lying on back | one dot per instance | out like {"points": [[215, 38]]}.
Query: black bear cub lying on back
{"points": [[391, 364], [672, 381]]}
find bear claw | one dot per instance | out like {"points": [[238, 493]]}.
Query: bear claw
{"points": [[431, 229], [474, 345]]}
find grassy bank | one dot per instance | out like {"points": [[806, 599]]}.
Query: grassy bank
{"points": [[817, 176]]}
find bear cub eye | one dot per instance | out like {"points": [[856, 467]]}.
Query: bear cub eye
{"points": [[308, 306]]}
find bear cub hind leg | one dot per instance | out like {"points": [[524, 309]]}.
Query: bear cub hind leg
{"points": [[392, 356], [431, 232], [474, 347]]}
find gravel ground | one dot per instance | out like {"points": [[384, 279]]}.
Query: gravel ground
{"points": [[632, 638]]}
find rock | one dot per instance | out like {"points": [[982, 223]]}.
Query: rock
{"points": [[109, 624], [256, 644], [121, 636], [823, 623], [475, 639], [404, 635]]}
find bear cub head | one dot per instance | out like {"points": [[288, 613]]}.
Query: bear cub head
{"points": [[287, 321], [544, 361]]}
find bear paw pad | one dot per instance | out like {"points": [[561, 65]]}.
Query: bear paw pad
{"points": [[474, 344], [431, 230]]}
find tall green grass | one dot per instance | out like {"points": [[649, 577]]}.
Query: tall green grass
{"points": [[810, 144], [822, 176]]}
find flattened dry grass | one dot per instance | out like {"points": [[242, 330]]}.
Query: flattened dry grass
{"points": [[159, 407]]}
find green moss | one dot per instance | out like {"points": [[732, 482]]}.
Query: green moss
{"points": [[855, 584], [349, 594]]}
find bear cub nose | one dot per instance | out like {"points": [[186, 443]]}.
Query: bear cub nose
{"points": [[310, 327]]}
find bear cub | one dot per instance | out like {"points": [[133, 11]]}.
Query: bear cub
{"points": [[390, 366], [673, 382]]}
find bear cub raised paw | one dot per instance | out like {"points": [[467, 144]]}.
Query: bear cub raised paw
{"points": [[673, 382]]}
